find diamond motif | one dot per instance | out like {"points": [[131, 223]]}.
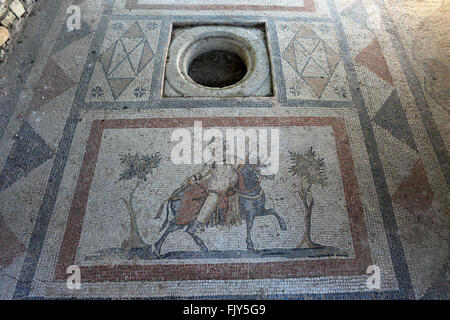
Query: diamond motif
{"points": [[312, 59], [126, 58]]}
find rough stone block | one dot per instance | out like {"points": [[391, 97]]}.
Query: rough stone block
{"points": [[3, 8], [8, 19], [4, 35], [17, 8]]}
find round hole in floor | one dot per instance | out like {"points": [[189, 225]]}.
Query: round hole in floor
{"points": [[217, 69]]}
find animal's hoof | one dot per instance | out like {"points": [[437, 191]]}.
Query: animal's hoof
{"points": [[157, 253], [204, 248], [193, 227], [283, 226], [250, 246]]}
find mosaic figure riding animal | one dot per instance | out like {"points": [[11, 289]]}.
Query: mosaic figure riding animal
{"points": [[252, 199], [187, 202]]}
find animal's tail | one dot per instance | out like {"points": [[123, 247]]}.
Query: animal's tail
{"points": [[161, 208], [171, 197], [167, 216]]}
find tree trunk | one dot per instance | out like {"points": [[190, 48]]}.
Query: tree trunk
{"points": [[306, 240], [134, 240]]}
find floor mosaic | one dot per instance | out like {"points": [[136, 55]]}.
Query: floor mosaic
{"points": [[87, 176], [125, 63]]}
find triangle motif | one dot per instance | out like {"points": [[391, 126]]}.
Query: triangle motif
{"points": [[414, 193], [134, 32], [136, 56], [307, 32], [107, 57], [373, 59], [320, 56], [118, 86], [289, 55], [392, 118], [308, 44], [53, 82], [119, 55], [313, 69], [131, 43], [332, 58], [123, 70], [146, 57], [27, 153], [67, 38], [10, 241], [318, 85], [357, 12]]}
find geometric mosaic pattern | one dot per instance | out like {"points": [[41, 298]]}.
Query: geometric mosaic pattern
{"points": [[64, 39], [124, 66], [10, 242], [283, 5], [372, 58], [312, 59], [53, 82], [393, 119], [347, 103], [312, 63], [357, 13], [28, 152], [126, 58]]}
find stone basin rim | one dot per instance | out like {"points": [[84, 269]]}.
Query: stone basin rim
{"points": [[197, 40]]}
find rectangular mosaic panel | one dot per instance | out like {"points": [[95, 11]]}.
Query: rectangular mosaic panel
{"points": [[124, 68], [312, 65], [98, 225]]}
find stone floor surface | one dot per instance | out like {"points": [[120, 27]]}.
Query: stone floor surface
{"points": [[361, 103]]}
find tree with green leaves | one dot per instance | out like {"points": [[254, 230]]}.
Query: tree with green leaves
{"points": [[310, 170], [138, 167]]}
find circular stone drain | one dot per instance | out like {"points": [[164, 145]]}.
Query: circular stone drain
{"points": [[217, 69], [217, 61]]}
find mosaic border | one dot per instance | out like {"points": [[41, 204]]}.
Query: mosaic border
{"points": [[396, 249], [157, 101], [308, 6], [218, 271]]}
